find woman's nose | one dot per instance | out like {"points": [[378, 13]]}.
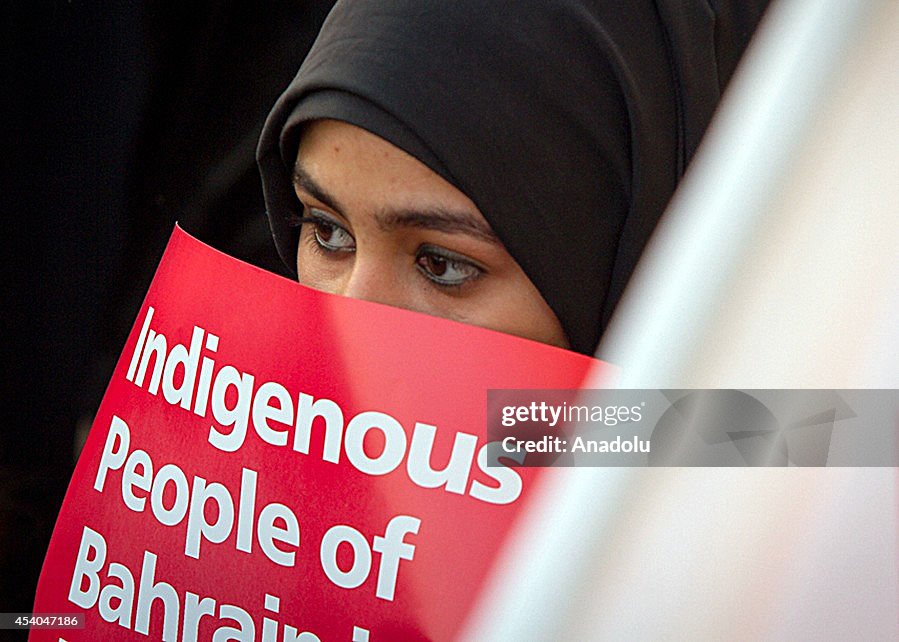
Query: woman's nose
{"points": [[371, 280]]}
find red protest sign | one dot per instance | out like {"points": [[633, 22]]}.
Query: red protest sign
{"points": [[274, 463]]}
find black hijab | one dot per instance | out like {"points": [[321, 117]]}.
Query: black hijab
{"points": [[567, 122]]}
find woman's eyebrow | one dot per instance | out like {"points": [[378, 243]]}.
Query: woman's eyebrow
{"points": [[439, 219], [303, 180], [429, 218]]}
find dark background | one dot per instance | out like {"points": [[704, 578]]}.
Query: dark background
{"points": [[120, 120]]}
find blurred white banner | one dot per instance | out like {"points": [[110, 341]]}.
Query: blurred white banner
{"points": [[776, 266]]}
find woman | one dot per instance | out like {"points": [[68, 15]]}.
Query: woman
{"points": [[500, 164]]}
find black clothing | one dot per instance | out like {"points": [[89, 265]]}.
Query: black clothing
{"points": [[567, 122]]}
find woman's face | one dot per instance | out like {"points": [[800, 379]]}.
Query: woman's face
{"points": [[381, 226]]}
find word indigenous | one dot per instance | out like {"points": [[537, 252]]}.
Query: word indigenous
{"points": [[189, 377]]}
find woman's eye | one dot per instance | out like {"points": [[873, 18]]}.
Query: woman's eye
{"points": [[332, 237], [445, 269]]}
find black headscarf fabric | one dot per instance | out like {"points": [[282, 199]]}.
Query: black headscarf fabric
{"points": [[567, 122]]}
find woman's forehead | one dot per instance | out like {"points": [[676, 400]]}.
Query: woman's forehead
{"points": [[348, 168]]}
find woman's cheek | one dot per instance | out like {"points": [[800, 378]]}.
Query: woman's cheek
{"points": [[317, 271]]}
